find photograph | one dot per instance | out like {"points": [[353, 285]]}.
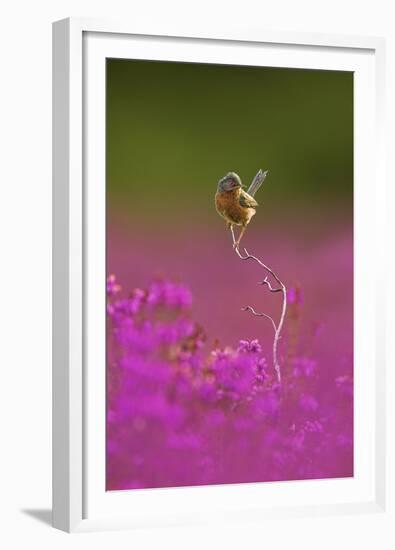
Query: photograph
{"points": [[230, 274], [199, 306]]}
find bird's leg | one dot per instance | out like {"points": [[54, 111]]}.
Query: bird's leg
{"points": [[236, 244], [230, 226]]}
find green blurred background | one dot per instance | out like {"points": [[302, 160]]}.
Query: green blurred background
{"points": [[173, 129]]}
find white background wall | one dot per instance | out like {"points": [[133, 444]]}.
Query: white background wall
{"points": [[25, 223]]}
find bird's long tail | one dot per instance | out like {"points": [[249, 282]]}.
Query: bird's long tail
{"points": [[257, 182]]}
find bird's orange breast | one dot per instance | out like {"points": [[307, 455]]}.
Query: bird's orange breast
{"points": [[229, 207]]}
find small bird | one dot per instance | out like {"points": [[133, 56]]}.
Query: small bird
{"points": [[234, 204]]}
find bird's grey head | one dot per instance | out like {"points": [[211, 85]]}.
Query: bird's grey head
{"points": [[229, 182]]}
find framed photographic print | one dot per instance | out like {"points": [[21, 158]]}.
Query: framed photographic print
{"points": [[217, 210]]}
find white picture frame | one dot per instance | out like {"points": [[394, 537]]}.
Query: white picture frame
{"points": [[80, 502]]}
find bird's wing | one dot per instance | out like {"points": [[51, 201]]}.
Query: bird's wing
{"points": [[257, 182], [246, 200]]}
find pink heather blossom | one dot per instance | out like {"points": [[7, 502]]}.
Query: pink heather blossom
{"points": [[112, 287], [304, 366], [182, 413], [169, 294], [249, 346], [294, 296], [308, 402]]}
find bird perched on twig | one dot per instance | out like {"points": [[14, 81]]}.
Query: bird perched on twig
{"points": [[234, 204]]}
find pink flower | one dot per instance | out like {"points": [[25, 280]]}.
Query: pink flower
{"points": [[294, 296], [179, 414], [249, 346], [112, 287]]}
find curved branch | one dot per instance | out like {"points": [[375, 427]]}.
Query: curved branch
{"points": [[267, 283], [277, 327], [250, 308]]}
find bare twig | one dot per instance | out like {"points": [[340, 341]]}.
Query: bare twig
{"points": [[277, 327], [250, 308], [267, 283]]}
